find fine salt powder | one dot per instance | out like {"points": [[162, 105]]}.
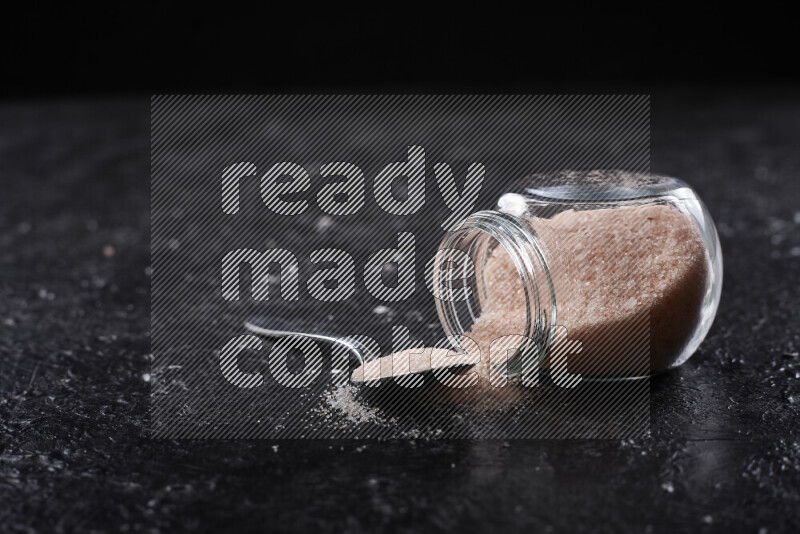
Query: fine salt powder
{"points": [[621, 276]]}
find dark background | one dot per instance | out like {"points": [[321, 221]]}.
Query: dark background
{"points": [[57, 50], [724, 449]]}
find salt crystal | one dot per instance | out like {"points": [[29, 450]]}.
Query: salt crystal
{"points": [[323, 223]]}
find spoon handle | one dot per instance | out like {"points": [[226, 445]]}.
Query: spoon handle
{"points": [[279, 327]]}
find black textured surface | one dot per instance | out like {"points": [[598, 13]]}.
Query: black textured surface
{"points": [[724, 450]]}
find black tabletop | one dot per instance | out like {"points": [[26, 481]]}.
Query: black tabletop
{"points": [[722, 454]]}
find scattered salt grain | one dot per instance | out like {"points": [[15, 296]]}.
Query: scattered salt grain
{"points": [[323, 223], [414, 315], [45, 294]]}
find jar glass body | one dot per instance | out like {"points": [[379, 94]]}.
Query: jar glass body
{"points": [[627, 265]]}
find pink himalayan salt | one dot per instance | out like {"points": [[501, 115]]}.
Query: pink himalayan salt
{"points": [[411, 361], [613, 269]]}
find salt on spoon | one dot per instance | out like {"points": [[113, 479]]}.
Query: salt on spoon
{"points": [[412, 362]]}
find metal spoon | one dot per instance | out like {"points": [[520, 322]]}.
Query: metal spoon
{"points": [[280, 327], [371, 363]]}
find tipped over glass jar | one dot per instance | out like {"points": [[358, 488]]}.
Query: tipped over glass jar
{"points": [[606, 274]]}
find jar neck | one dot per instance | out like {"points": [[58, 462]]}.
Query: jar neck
{"points": [[477, 236]]}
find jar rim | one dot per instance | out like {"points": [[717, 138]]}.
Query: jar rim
{"points": [[628, 186]]}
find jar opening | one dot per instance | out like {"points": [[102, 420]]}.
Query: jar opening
{"points": [[598, 186], [463, 287]]}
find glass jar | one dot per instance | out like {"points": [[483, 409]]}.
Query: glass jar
{"points": [[607, 274]]}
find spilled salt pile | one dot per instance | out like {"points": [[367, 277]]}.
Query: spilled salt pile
{"points": [[343, 400]]}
